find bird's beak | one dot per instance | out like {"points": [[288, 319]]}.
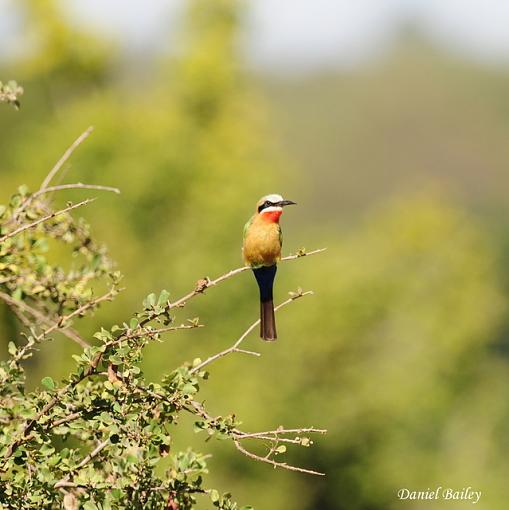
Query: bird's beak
{"points": [[286, 202]]}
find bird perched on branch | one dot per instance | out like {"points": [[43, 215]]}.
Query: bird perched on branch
{"points": [[262, 250]]}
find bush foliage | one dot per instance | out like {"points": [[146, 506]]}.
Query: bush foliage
{"points": [[102, 437]]}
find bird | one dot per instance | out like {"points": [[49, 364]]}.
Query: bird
{"points": [[261, 251]]}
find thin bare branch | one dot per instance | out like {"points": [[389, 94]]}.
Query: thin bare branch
{"points": [[235, 346], [238, 435], [22, 317], [108, 296], [274, 463], [59, 187], [28, 226], [254, 435], [152, 332], [302, 254], [77, 185], [101, 446], [204, 284], [250, 353], [264, 435], [65, 419], [30, 424], [66, 155], [21, 305]]}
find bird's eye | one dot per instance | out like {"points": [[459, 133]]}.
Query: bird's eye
{"points": [[265, 204]]}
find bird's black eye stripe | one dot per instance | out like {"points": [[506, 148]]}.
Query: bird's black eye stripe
{"points": [[265, 204]]}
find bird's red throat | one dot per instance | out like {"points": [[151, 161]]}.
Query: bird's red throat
{"points": [[272, 216]]}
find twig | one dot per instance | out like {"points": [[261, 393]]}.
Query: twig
{"points": [[29, 425], [83, 308], [60, 187], [84, 462], [254, 435], [239, 435], [67, 154], [65, 419], [270, 435], [22, 317], [153, 332], [77, 185], [80, 310], [274, 463], [206, 283], [27, 226], [235, 346], [21, 305]]}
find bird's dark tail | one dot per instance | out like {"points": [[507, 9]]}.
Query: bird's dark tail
{"points": [[265, 277]]}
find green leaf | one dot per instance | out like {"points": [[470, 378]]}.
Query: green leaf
{"points": [[47, 449], [189, 389], [48, 383], [214, 495], [163, 298], [150, 301], [12, 348]]}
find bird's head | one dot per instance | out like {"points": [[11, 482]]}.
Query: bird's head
{"points": [[270, 207]]}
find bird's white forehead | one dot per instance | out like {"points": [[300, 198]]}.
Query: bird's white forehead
{"points": [[273, 198]]}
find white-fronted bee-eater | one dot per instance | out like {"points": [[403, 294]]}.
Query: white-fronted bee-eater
{"points": [[262, 251]]}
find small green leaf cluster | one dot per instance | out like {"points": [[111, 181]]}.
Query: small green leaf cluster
{"points": [[220, 427], [27, 274], [225, 502]]}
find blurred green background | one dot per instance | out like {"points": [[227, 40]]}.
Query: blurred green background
{"points": [[399, 167]]}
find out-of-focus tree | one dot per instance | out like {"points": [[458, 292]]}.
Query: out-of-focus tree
{"points": [[408, 339]]}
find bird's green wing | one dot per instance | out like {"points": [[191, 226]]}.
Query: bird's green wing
{"points": [[280, 235], [247, 225]]}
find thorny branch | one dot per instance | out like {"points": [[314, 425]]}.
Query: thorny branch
{"points": [[101, 446], [60, 187], [273, 462], [137, 332], [27, 226], [273, 436], [30, 424], [20, 306], [235, 346], [206, 283]]}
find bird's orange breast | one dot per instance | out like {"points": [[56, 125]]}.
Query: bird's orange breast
{"points": [[262, 245]]}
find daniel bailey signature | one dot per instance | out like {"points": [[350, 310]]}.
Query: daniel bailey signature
{"points": [[445, 493]]}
